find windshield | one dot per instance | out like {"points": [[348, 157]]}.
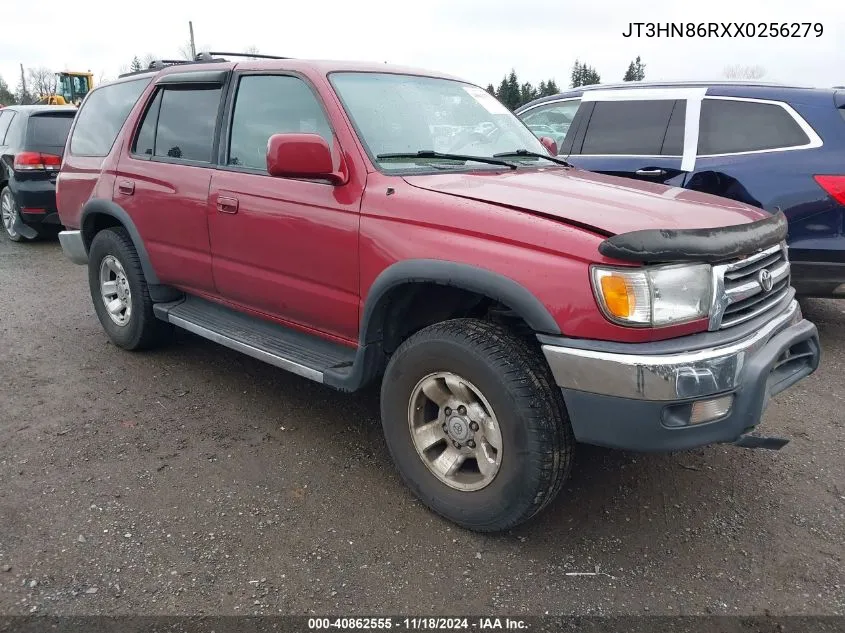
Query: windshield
{"points": [[406, 114]]}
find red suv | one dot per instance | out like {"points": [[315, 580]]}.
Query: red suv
{"points": [[353, 222]]}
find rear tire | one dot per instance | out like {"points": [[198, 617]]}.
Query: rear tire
{"points": [[10, 214], [506, 381], [119, 292]]}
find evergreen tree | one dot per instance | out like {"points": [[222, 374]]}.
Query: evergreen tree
{"points": [[577, 78], [551, 87], [636, 71], [491, 89], [542, 89], [135, 66], [6, 96], [584, 75], [527, 93]]}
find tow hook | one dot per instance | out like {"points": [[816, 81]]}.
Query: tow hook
{"points": [[755, 441]]}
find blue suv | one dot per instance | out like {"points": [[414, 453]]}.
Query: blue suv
{"points": [[773, 146]]}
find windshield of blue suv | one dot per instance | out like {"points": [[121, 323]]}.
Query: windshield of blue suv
{"points": [[398, 116]]}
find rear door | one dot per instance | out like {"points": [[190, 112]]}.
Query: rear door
{"points": [[764, 153], [625, 135], [165, 172]]}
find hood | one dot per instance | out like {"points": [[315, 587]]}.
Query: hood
{"points": [[605, 204]]}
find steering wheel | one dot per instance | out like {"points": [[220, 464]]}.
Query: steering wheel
{"points": [[473, 137]]}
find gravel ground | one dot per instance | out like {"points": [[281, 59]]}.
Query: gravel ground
{"points": [[196, 480]]}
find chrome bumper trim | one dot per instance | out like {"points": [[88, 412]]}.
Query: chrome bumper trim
{"points": [[683, 375], [73, 246]]}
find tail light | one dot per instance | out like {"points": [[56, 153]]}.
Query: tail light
{"points": [[36, 161], [834, 185]]}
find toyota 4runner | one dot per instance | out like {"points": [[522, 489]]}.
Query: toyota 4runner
{"points": [[352, 223]]}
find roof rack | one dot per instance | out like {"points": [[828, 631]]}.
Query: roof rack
{"points": [[255, 55], [201, 58]]}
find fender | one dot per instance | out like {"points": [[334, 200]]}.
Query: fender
{"points": [[99, 206], [369, 358]]}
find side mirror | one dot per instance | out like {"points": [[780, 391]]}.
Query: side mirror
{"points": [[302, 156], [549, 144]]}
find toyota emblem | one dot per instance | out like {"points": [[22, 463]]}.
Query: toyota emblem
{"points": [[765, 279]]}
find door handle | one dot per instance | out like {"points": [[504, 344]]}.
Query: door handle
{"points": [[650, 172], [227, 205], [126, 187]]}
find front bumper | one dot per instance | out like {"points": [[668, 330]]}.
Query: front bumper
{"points": [[633, 398]]}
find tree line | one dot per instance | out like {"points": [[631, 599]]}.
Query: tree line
{"points": [[514, 94]]}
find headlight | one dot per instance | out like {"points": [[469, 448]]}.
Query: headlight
{"points": [[655, 295]]}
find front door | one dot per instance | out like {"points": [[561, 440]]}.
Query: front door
{"points": [[283, 247]]}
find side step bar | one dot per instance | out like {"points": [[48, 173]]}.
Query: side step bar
{"points": [[294, 351]]}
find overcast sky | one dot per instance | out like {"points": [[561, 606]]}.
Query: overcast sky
{"points": [[479, 40]]}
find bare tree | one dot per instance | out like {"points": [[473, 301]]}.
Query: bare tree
{"points": [[42, 81], [741, 71], [185, 50], [251, 50], [148, 59]]}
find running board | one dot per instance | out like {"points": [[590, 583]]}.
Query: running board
{"points": [[294, 351]]}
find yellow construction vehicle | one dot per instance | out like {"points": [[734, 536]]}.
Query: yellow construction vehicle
{"points": [[71, 88]]}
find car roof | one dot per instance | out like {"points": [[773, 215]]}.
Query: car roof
{"points": [[323, 66], [35, 109], [720, 87]]}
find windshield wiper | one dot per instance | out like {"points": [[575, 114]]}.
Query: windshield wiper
{"points": [[432, 154], [525, 152]]}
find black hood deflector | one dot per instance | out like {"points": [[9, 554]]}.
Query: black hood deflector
{"points": [[700, 245]]}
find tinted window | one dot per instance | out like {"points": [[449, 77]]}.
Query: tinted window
{"points": [[186, 123], [552, 120], [14, 135], [48, 129], [267, 105], [102, 115], [628, 127], [145, 142], [5, 120], [743, 126], [673, 143]]}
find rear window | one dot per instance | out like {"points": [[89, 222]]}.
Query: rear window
{"points": [[728, 127], [49, 129], [102, 115]]}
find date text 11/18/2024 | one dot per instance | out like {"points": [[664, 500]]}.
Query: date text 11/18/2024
{"points": [[416, 624]]}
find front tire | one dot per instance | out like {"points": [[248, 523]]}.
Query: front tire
{"points": [[475, 424], [119, 292]]}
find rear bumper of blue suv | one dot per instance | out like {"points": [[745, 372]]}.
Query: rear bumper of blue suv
{"points": [[638, 397]]}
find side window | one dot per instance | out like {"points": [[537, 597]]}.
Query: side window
{"points": [[186, 123], [145, 141], [267, 105], [628, 127], [729, 126], [14, 135], [5, 121], [673, 142], [102, 115], [553, 119]]}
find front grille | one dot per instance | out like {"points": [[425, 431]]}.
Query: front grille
{"points": [[740, 286]]}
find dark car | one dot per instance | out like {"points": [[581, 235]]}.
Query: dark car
{"points": [[297, 211], [779, 148], [32, 141]]}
